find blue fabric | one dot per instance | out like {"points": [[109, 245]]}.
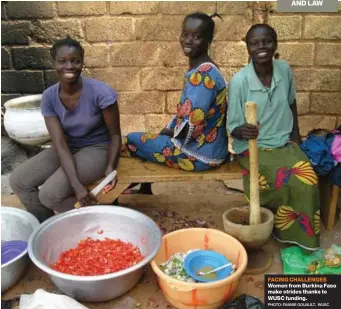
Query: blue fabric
{"points": [[318, 150], [201, 113], [160, 149]]}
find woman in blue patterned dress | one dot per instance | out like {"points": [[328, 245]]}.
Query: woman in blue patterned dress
{"points": [[195, 139]]}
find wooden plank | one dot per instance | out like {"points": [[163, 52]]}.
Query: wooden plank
{"points": [[135, 170]]}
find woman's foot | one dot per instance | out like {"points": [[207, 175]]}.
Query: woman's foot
{"points": [[145, 188]]}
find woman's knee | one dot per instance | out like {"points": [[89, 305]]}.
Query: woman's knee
{"points": [[49, 197]]}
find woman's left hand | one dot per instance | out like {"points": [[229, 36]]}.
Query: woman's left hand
{"points": [[111, 185]]}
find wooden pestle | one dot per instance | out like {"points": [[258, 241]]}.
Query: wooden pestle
{"points": [[251, 118]]}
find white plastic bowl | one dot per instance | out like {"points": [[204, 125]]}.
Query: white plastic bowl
{"points": [[16, 224]]}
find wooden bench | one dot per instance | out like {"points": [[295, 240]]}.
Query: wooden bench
{"points": [[133, 170]]}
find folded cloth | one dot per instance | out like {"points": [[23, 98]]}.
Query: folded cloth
{"points": [[318, 150], [336, 146], [45, 300]]}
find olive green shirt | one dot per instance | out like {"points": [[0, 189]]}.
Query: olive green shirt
{"points": [[273, 111]]}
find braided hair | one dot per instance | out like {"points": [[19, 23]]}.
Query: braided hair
{"points": [[208, 21]]}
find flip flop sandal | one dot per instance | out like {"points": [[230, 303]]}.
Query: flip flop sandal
{"points": [[131, 191]]}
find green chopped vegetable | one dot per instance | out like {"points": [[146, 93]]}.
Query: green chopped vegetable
{"points": [[174, 266]]}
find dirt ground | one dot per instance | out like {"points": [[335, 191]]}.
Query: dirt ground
{"points": [[172, 205]]}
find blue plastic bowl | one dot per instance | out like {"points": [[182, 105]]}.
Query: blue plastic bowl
{"points": [[203, 258]]}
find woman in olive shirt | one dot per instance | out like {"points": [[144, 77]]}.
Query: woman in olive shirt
{"points": [[288, 184]]}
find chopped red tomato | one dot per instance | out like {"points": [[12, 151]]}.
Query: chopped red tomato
{"points": [[98, 257]]}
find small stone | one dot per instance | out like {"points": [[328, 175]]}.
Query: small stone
{"points": [[201, 222]]}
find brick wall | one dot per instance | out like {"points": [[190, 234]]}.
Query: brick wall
{"points": [[133, 46]]}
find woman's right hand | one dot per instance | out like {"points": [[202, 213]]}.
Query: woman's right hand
{"points": [[246, 131], [84, 197]]}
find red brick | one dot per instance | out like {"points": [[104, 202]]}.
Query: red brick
{"points": [[155, 123], [96, 56], [17, 33], [134, 7], [171, 55], [135, 54], [232, 7], [328, 54], [149, 102], [229, 72], [186, 7], [317, 79], [109, 29], [308, 123], [326, 103], [322, 27], [81, 8], [31, 58], [287, 27], [21, 82], [3, 10], [30, 9], [158, 29], [173, 98], [230, 53], [121, 79], [162, 78], [5, 59], [303, 102], [297, 53], [53, 30], [232, 28], [131, 123]]}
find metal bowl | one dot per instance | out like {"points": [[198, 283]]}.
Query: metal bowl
{"points": [[65, 230], [16, 224]]}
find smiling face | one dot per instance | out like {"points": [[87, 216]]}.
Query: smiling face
{"points": [[194, 39], [68, 64], [261, 46]]}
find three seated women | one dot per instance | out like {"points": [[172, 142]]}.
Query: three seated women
{"points": [[82, 117]]}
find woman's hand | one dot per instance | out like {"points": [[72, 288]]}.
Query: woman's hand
{"points": [[168, 132], [111, 185], [84, 197], [246, 131]]}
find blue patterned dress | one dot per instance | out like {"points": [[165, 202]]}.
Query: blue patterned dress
{"points": [[201, 113]]}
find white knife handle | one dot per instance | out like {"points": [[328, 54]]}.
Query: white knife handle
{"points": [[100, 187], [105, 181]]}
